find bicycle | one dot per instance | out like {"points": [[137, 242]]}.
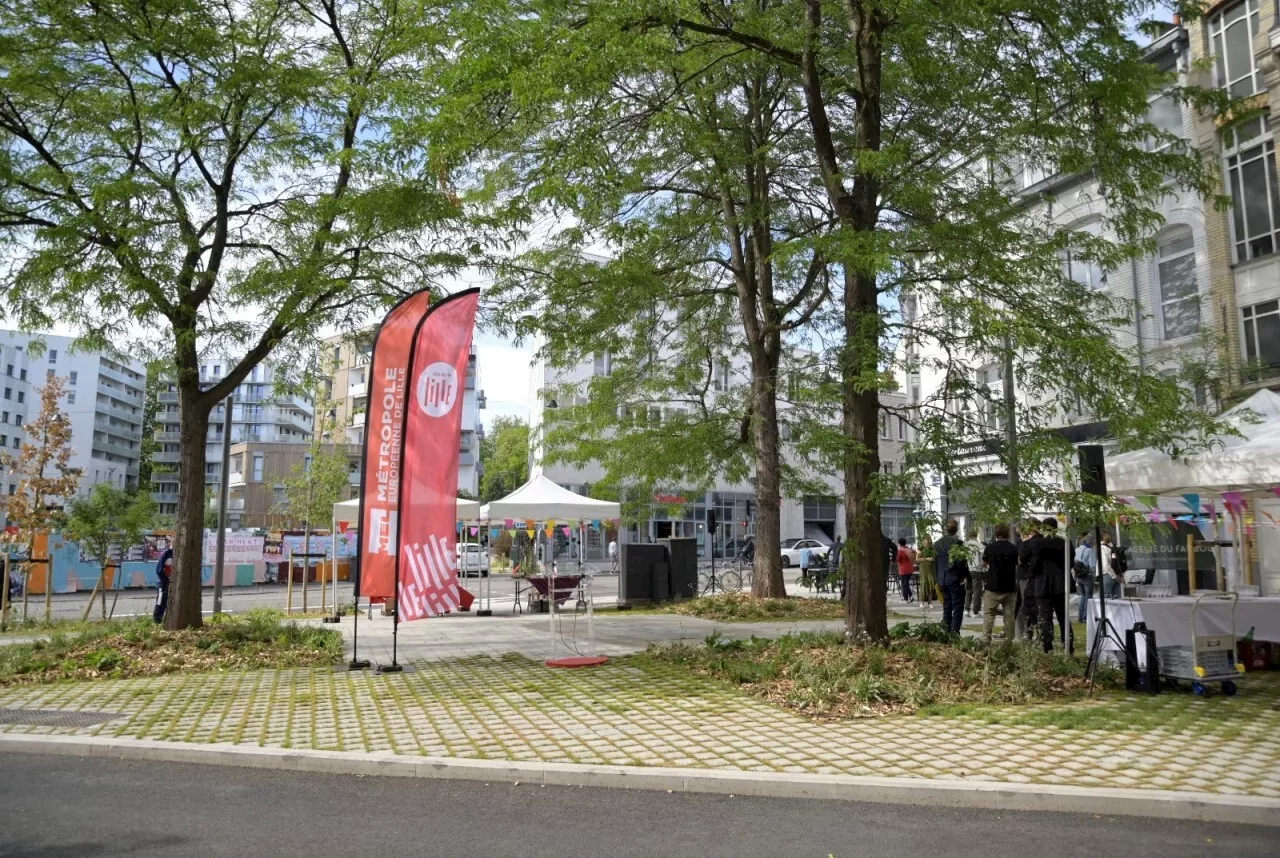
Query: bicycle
{"points": [[723, 579]]}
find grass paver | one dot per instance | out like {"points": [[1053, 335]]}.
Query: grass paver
{"points": [[631, 710]]}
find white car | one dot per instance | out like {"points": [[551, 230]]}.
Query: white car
{"points": [[473, 561], [791, 549]]}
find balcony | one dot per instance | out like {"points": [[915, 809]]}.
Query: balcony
{"points": [[128, 415], [166, 457], [353, 478], [466, 458], [358, 391], [116, 449], [170, 396], [134, 384], [171, 437], [164, 497], [132, 432], [357, 419], [236, 479], [235, 504]]}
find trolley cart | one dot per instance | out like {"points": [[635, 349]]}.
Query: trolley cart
{"points": [[1210, 658]]}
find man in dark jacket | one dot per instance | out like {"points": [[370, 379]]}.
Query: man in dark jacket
{"points": [[953, 573], [164, 571], [1001, 559], [1028, 611], [1049, 566]]}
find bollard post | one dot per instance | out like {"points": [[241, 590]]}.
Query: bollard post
{"points": [[289, 586]]}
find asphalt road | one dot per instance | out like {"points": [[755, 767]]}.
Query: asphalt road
{"points": [[57, 807]]}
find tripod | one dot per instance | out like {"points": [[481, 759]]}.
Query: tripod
{"points": [[1106, 631]]}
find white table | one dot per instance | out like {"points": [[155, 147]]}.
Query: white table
{"points": [[1170, 619]]}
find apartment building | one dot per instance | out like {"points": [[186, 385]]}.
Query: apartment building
{"points": [[103, 398], [261, 414], [258, 472], [348, 390], [1211, 291], [681, 512], [1239, 41]]}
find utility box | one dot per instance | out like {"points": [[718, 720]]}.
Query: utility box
{"points": [[682, 556], [636, 561]]}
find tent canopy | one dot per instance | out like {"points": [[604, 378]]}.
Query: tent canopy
{"points": [[1247, 462], [468, 510], [540, 499]]}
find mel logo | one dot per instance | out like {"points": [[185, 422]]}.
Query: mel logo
{"points": [[437, 389]]}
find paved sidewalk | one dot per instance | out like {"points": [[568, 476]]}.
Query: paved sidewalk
{"points": [[636, 712]]}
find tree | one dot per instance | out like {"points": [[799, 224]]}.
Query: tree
{"points": [[109, 516], [150, 407], [320, 481], [504, 453], [682, 163], [234, 175], [46, 481], [906, 119]]}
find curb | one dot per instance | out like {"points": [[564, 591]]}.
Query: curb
{"points": [[1199, 807]]}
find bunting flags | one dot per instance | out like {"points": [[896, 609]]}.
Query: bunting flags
{"points": [[1193, 501]]}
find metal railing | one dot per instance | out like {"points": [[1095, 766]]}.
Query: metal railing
{"points": [[117, 449], [166, 457], [132, 432], [164, 497]]}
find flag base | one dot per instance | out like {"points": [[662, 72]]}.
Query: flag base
{"points": [[574, 661], [334, 619], [394, 668], [484, 613], [354, 664]]}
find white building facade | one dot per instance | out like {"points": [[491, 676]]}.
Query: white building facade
{"points": [[682, 512], [103, 398]]}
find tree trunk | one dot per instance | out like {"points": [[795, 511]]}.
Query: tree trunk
{"points": [[767, 580], [185, 590], [48, 576], [865, 611]]}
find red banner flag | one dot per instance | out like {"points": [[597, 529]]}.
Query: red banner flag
{"points": [[383, 446], [428, 583]]}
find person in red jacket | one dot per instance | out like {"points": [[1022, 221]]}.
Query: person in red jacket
{"points": [[906, 567]]}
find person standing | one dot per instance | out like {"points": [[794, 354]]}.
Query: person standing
{"points": [[613, 555], [1028, 612], [906, 567], [928, 572], [1112, 576], [1048, 567], [836, 548], [1084, 569], [973, 595], [164, 573], [953, 573], [1000, 557]]}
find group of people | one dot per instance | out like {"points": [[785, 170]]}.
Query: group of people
{"points": [[1024, 583]]}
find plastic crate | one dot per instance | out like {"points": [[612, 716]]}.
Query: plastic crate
{"points": [[1180, 661]]}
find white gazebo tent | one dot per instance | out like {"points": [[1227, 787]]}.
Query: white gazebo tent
{"points": [[541, 500], [1248, 463]]}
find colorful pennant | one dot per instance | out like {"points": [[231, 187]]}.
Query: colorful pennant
{"points": [[1193, 501]]}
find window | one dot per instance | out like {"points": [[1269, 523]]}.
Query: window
{"points": [[902, 429], [720, 379], [8, 393], [1262, 337], [602, 364], [1086, 272], [22, 396], [1179, 294], [71, 378], [4, 416], [1165, 113], [1233, 32], [217, 371], [53, 355], [1255, 196], [204, 370], [4, 439], [888, 467], [71, 397], [257, 467], [8, 370], [16, 442], [17, 420], [884, 425], [22, 375]]}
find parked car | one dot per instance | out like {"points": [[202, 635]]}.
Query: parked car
{"points": [[791, 549], [474, 560]]}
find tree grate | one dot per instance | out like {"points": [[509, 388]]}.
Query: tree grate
{"points": [[55, 717]]}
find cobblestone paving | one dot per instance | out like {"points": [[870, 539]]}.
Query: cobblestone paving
{"points": [[635, 712]]}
